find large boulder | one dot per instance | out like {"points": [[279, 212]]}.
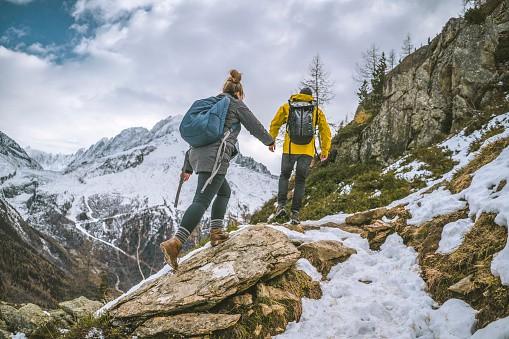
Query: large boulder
{"points": [[324, 254], [5, 335], [366, 217], [80, 307], [26, 318], [251, 255], [187, 324]]}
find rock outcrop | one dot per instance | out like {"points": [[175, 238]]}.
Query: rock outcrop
{"points": [[324, 254], [213, 275], [35, 321], [249, 284], [462, 73]]}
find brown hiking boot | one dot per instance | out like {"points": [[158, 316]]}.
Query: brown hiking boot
{"points": [[218, 236], [171, 249]]}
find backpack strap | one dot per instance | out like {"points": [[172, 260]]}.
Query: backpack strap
{"points": [[287, 129], [217, 162]]}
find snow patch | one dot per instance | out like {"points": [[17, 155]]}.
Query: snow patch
{"points": [[304, 265], [371, 295], [483, 197], [453, 234], [455, 319], [334, 218], [433, 204], [496, 330]]}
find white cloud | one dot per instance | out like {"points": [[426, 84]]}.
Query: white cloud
{"points": [[148, 59]]}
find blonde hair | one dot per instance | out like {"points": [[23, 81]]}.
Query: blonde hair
{"points": [[233, 86]]}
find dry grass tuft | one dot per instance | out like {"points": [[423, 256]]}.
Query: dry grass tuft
{"points": [[463, 177]]}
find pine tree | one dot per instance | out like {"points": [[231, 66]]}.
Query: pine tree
{"points": [[363, 93], [377, 84], [318, 80], [408, 46]]}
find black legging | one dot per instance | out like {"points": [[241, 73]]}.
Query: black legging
{"points": [[301, 172], [219, 188]]}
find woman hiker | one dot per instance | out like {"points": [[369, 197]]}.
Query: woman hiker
{"points": [[211, 163]]}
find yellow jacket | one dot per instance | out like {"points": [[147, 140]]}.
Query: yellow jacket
{"points": [[323, 127]]}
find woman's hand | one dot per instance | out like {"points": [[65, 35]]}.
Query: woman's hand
{"points": [[272, 147], [185, 176]]}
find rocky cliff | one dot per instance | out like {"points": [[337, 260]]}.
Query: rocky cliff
{"points": [[462, 75]]}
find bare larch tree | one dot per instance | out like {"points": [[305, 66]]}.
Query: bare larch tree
{"points": [[364, 70], [407, 47], [319, 81]]}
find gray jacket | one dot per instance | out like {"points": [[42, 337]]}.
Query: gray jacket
{"points": [[202, 159]]}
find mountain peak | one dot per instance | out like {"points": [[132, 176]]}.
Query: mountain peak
{"points": [[13, 156]]}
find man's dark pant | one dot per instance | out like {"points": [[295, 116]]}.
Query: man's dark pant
{"points": [[301, 172]]}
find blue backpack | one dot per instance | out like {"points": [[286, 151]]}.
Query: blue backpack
{"points": [[203, 124]]}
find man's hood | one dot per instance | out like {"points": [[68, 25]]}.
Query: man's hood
{"points": [[301, 97]]}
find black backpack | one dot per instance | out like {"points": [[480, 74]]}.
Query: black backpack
{"points": [[300, 125]]}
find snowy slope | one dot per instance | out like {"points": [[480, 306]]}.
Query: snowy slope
{"points": [[50, 161], [13, 157]]}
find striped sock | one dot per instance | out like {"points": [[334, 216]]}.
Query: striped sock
{"points": [[182, 234], [216, 223]]}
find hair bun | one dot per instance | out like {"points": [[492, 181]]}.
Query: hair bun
{"points": [[235, 76]]}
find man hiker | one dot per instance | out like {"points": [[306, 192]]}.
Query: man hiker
{"points": [[301, 116]]}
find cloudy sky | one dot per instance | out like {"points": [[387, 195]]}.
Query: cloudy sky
{"points": [[72, 72]]}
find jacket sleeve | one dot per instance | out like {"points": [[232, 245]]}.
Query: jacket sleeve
{"points": [[253, 125], [278, 120], [187, 168], [325, 133]]}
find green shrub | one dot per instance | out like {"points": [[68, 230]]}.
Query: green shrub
{"points": [[475, 16], [437, 160], [497, 129]]}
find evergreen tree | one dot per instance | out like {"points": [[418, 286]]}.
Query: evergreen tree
{"points": [[363, 93], [377, 84]]}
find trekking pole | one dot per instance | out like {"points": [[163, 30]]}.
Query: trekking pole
{"points": [[181, 181]]}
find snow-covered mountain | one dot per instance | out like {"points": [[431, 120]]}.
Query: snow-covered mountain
{"points": [[13, 156], [50, 161], [119, 192]]}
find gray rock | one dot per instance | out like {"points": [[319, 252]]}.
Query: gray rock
{"points": [[364, 218], [5, 334], [324, 254], [187, 324], [26, 319], [11, 316], [80, 307], [243, 299], [464, 286], [253, 254]]}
